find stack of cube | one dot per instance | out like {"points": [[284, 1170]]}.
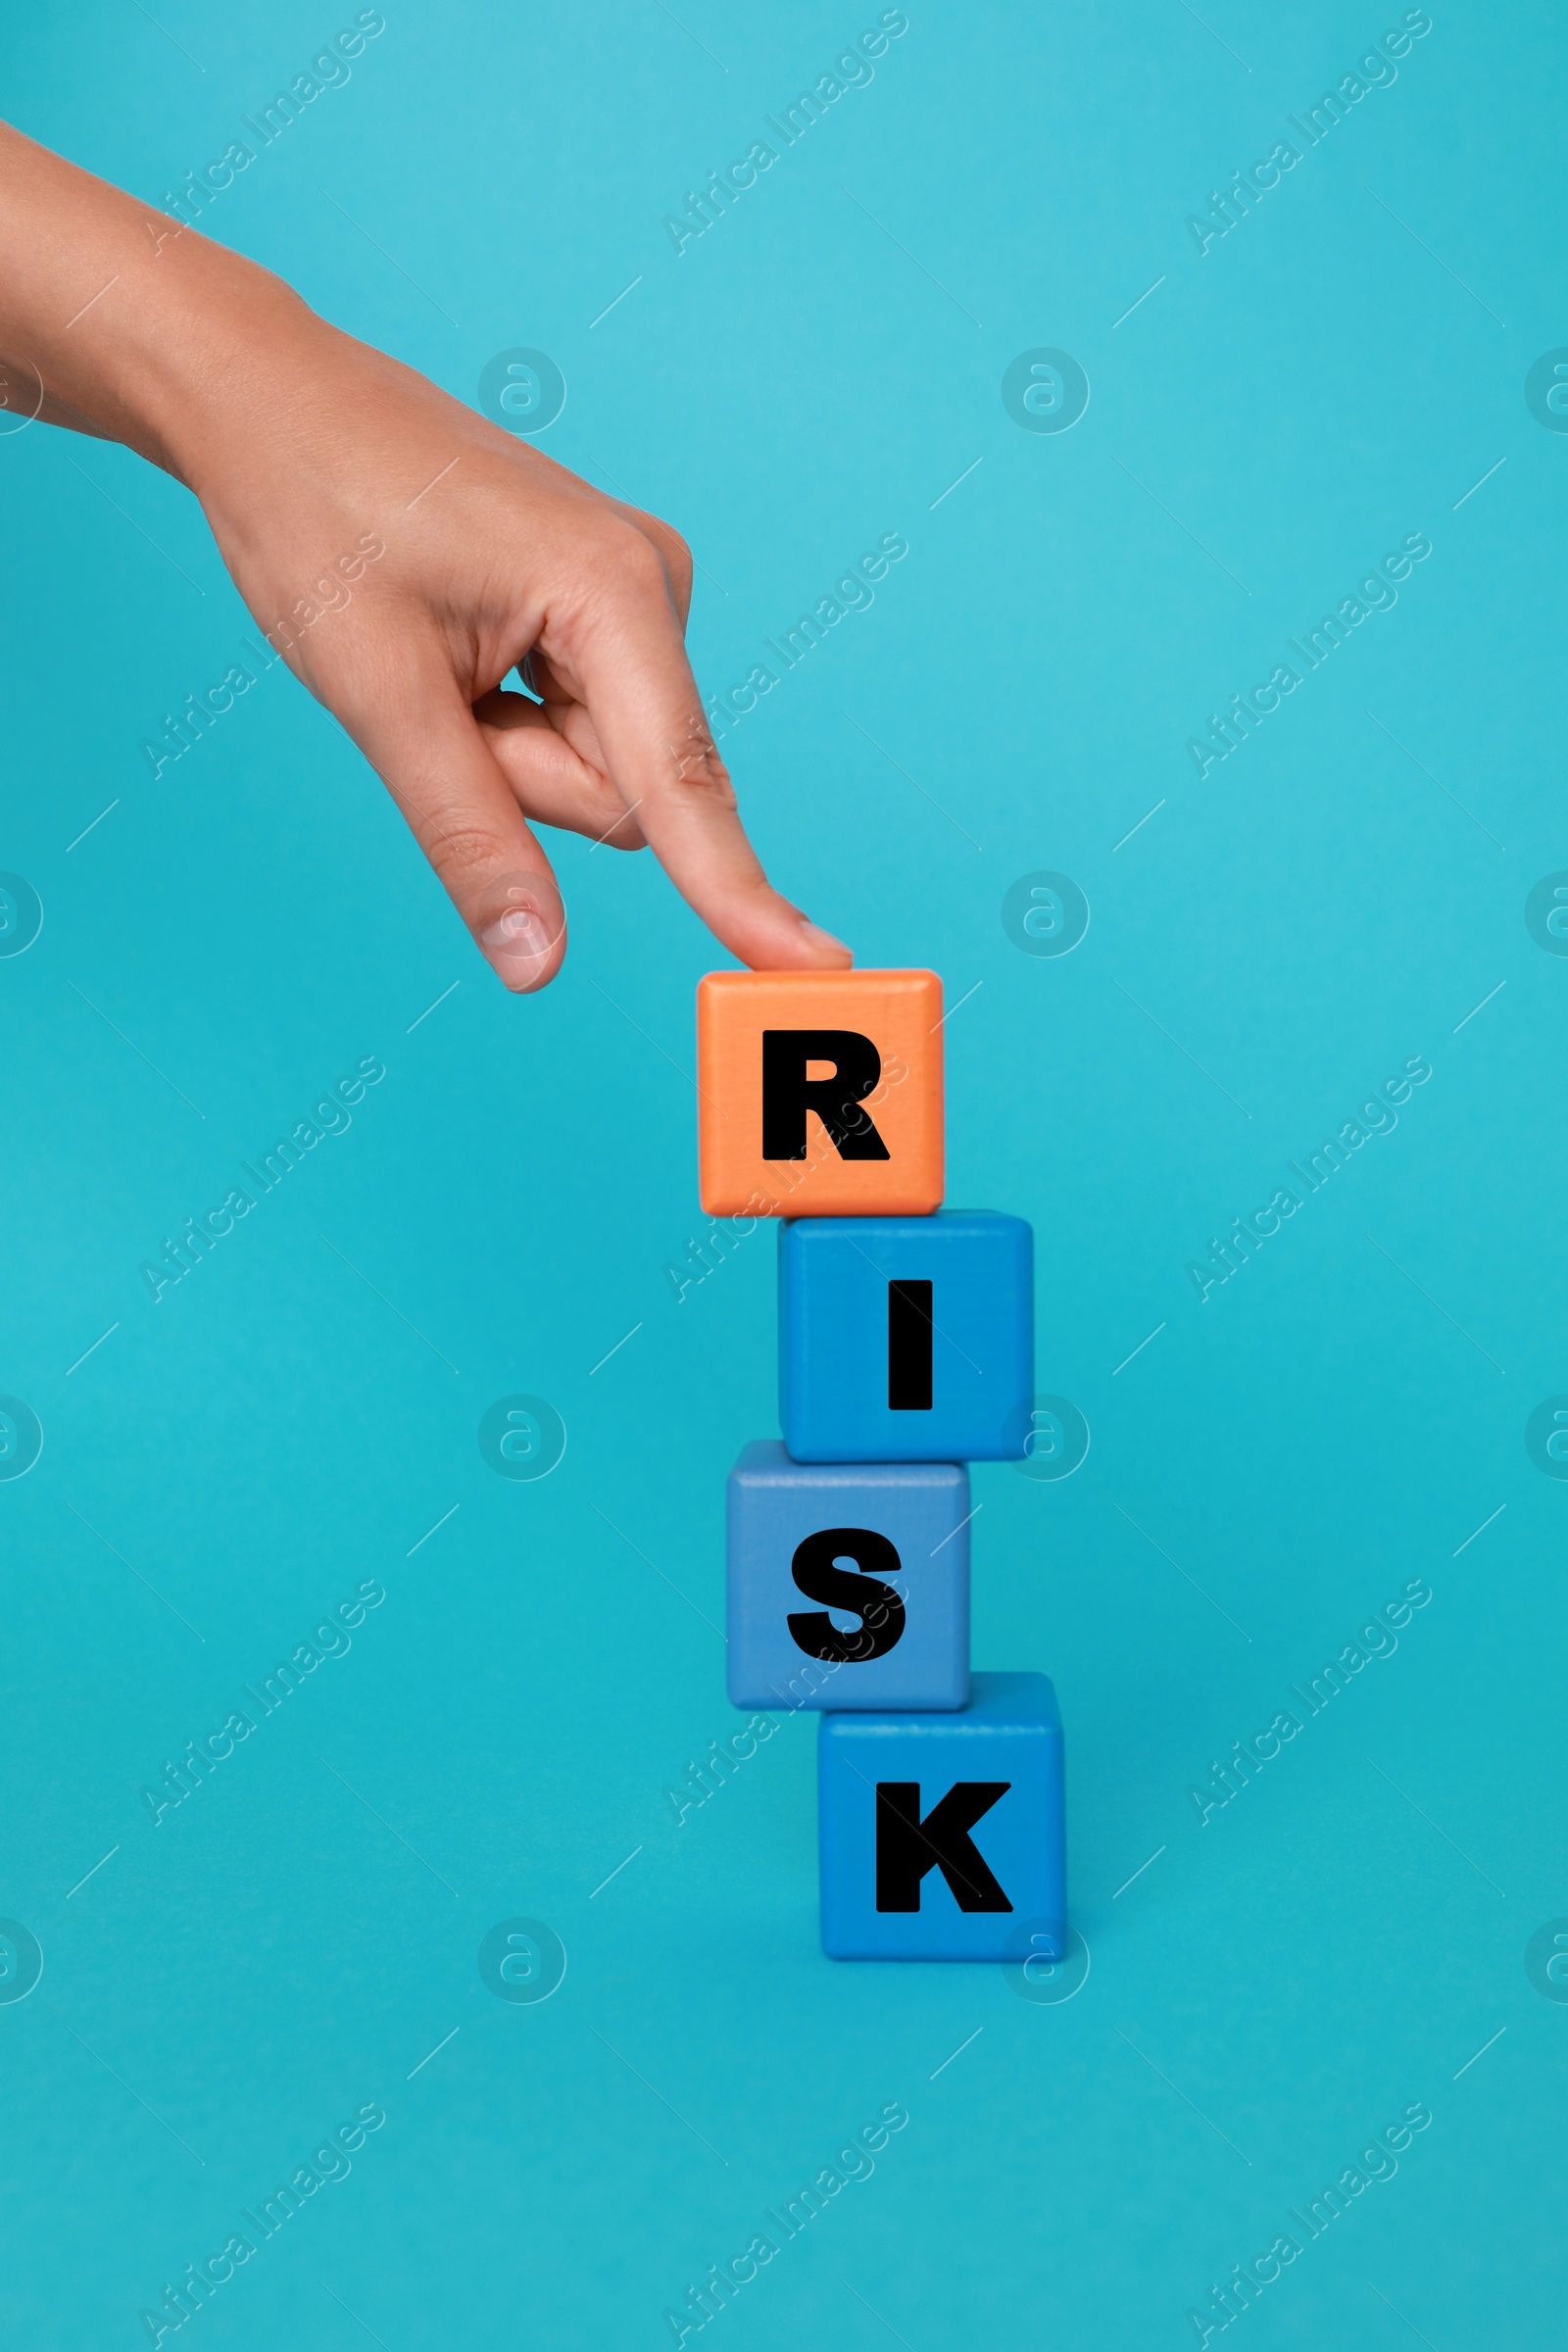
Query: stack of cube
{"points": [[905, 1353]]}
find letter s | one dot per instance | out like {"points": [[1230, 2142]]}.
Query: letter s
{"points": [[876, 1604]]}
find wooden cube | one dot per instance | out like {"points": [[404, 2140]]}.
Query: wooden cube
{"points": [[820, 1094]]}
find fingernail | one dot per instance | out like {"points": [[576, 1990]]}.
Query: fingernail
{"points": [[520, 944], [817, 937]]}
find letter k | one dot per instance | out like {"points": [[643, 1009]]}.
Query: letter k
{"points": [[907, 1846]]}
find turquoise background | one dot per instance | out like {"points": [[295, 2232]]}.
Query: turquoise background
{"points": [[1276, 1464]]}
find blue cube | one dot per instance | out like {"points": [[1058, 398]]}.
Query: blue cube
{"points": [[943, 1836], [905, 1338], [881, 1548]]}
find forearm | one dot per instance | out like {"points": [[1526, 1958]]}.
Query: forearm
{"points": [[118, 320]]}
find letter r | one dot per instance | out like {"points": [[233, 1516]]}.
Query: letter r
{"points": [[788, 1093]]}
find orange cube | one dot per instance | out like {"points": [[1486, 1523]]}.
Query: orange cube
{"points": [[820, 1094]]}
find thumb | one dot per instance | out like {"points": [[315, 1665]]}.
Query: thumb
{"points": [[428, 749]]}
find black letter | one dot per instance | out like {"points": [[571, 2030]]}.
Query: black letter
{"points": [[907, 1846], [788, 1094], [909, 1346], [876, 1604]]}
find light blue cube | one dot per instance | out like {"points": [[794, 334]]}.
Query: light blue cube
{"points": [[848, 1583], [943, 1836], [905, 1338]]}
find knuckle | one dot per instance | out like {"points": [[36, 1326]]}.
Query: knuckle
{"points": [[694, 767], [666, 542], [638, 560], [678, 556], [618, 565], [456, 844]]}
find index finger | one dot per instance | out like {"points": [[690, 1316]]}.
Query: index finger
{"points": [[660, 752]]}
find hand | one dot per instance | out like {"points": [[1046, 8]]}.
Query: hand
{"points": [[308, 450], [492, 553]]}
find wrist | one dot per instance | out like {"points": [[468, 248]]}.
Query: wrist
{"points": [[121, 319], [193, 348]]}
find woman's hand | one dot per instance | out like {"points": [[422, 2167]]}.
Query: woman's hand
{"points": [[404, 555]]}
